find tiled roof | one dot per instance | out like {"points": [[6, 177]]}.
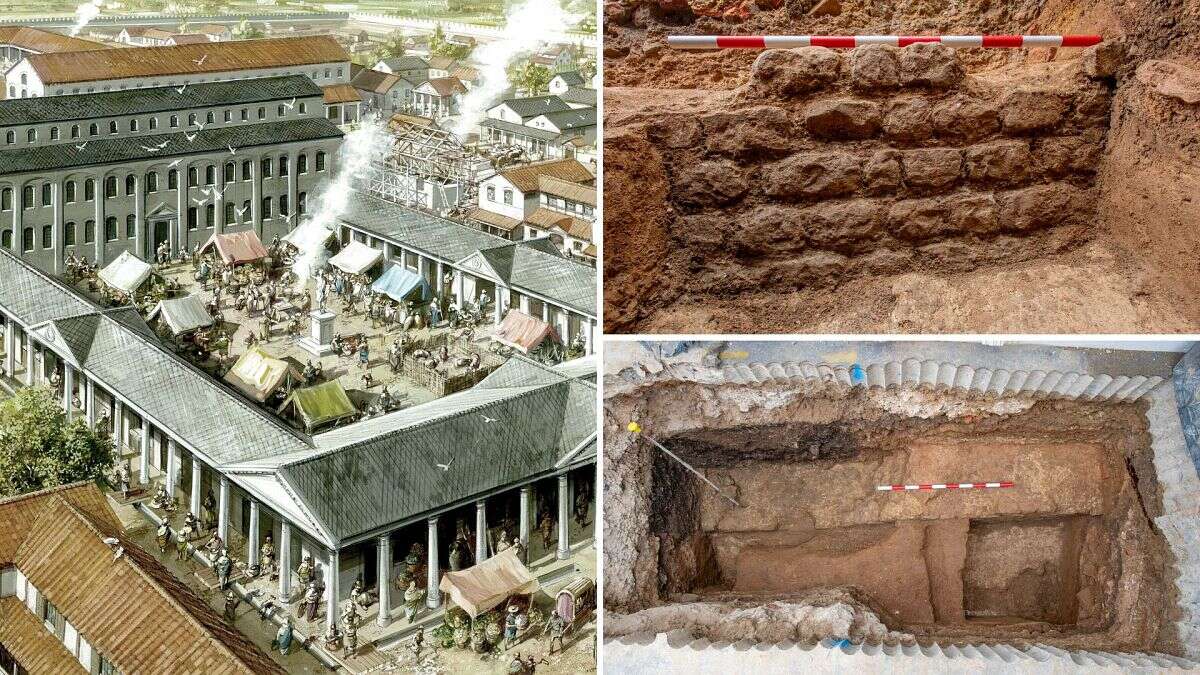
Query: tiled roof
{"points": [[552, 185], [35, 648], [526, 177], [213, 57], [575, 118], [406, 62], [131, 608], [17, 514], [533, 106], [494, 219], [340, 93], [123, 150], [374, 80], [520, 129], [44, 41], [444, 86], [384, 469], [151, 100], [579, 96], [465, 73], [548, 219], [572, 78], [189, 39], [442, 63]]}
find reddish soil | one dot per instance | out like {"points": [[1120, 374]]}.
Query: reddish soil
{"points": [[777, 197]]}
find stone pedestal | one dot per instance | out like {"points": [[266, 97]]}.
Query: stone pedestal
{"points": [[321, 324]]}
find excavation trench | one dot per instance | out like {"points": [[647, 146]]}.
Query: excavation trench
{"points": [[1068, 556]]}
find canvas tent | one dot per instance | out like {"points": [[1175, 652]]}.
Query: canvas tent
{"points": [[237, 248], [401, 284], [126, 273], [356, 258], [258, 375], [523, 332], [484, 586], [182, 315], [319, 405]]}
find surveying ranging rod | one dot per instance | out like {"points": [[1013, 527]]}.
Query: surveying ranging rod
{"points": [[925, 487], [852, 41], [636, 428]]}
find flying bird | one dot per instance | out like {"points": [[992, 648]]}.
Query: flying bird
{"points": [[446, 466], [151, 148], [199, 201], [291, 105], [82, 146], [240, 211], [164, 144], [174, 164], [200, 61], [118, 553], [231, 150], [487, 420], [115, 544], [189, 137], [181, 89]]}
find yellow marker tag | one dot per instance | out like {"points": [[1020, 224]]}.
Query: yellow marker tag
{"points": [[634, 428]]}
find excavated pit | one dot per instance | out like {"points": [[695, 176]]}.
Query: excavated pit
{"points": [[902, 190], [1068, 557]]}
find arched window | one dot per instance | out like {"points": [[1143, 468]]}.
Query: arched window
{"points": [[283, 205], [193, 181], [508, 197], [89, 189], [266, 168], [302, 163], [69, 233], [130, 226], [301, 203], [209, 119], [246, 170], [210, 217], [10, 137], [192, 119], [174, 121], [130, 185], [74, 131], [27, 198], [54, 136], [210, 175], [6, 199], [133, 125], [69, 191], [6, 239], [31, 135], [47, 236], [93, 129], [230, 215], [89, 231], [262, 113], [112, 127], [47, 193], [110, 186], [283, 166], [266, 208], [110, 228], [246, 211], [191, 218], [27, 240], [280, 110], [152, 181], [24, 78], [173, 179], [230, 172]]}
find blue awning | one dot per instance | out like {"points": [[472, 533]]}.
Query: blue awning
{"points": [[400, 284]]}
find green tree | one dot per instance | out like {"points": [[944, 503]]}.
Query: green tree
{"points": [[529, 77], [587, 69], [440, 46], [39, 448], [392, 45], [247, 31]]}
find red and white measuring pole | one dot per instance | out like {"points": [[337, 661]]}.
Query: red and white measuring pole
{"points": [[926, 487], [852, 41]]}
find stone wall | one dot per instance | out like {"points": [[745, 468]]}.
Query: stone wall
{"points": [[880, 160]]}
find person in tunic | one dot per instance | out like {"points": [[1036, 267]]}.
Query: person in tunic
{"points": [[181, 542], [350, 643], [210, 510], [231, 603], [412, 601], [305, 570], [163, 538], [267, 555], [546, 526], [284, 637], [312, 599], [223, 566], [511, 625], [557, 628]]}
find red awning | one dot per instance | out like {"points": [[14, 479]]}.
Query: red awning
{"points": [[523, 332], [237, 248]]}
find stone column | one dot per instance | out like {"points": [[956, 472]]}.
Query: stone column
{"points": [[172, 465], [223, 511], [68, 390], [441, 275], [285, 559], [30, 348], [182, 201], [331, 589], [194, 497], [481, 550], [546, 312], [89, 401], [564, 546], [10, 347], [458, 286], [252, 536], [293, 189], [139, 217], [524, 303], [385, 580], [526, 498], [501, 300], [587, 335], [118, 416], [144, 467], [433, 596]]}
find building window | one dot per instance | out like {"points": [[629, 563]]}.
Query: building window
{"points": [[491, 193], [107, 667], [47, 193], [210, 175], [133, 125], [302, 163], [209, 118], [112, 127], [230, 215], [93, 129], [301, 203], [508, 197], [173, 179], [110, 186], [69, 189], [320, 160], [27, 240], [69, 233], [153, 123], [191, 218], [27, 201], [47, 236], [31, 135], [245, 115], [327, 73], [130, 226], [54, 135], [246, 211], [280, 110], [247, 172], [283, 166], [283, 205], [193, 180], [6, 239], [152, 181], [230, 170], [192, 119], [210, 216], [266, 168], [174, 121], [6, 199], [74, 131], [228, 116], [110, 228], [10, 137], [334, 113], [89, 189], [89, 231], [50, 615], [130, 185], [266, 208], [303, 108], [262, 113]]}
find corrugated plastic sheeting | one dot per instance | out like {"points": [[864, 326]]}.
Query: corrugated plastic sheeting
{"points": [[389, 479], [523, 332], [320, 404], [484, 586], [257, 373], [356, 258], [398, 283], [126, 273], [237, 248], [182, 315]]}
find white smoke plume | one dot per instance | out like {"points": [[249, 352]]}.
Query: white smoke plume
{"points": [[526, 26], [84, 14], [361, 147]]}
